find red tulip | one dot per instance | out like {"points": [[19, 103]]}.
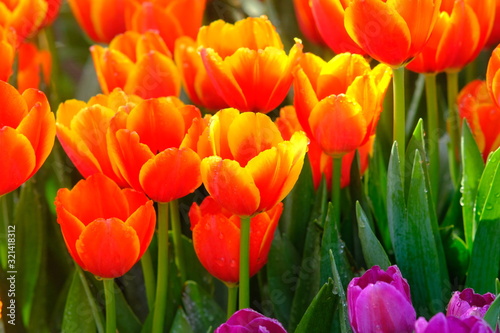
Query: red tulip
{"points": [[27, 133], [106, 229], [216, 238]]}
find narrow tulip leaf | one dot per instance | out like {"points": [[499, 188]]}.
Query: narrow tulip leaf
{"points": [[282, 275], [78, 314], [492, 316], [201, 309], [396, 206], [6, 219], [338, 289], [485, 256], [373, 251], [29, 246], [416, 144], [457, 253], [331, 241], [497, 286], [473, 166], [318, 315], [181, 323], [297, 208], [308, 274]]}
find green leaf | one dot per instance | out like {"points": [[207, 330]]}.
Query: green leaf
{"points": [[373, 252], [485, 256], [473, 166], [282, 260], [78, 314], [457, 254], [126, 320], [318, 317], [29, 245], [201, 309], [492, 316], [345, 327], [181, 323]]}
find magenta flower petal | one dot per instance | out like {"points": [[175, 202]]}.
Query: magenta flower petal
{"points": [[467, 303], [449, 324], [250, 321]]}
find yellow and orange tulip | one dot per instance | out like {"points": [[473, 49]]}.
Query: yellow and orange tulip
{"points": [[106, 229], [27, 133], [216, 238], [153, 146], [33, 66], [247, 64], [140, 64], [248, 168], [8, 47], [171, 18], [305, 19], [338, 103], [24, 16], [392, 32], [329, 18], [460, 33], [101, 20], [82, 127]]}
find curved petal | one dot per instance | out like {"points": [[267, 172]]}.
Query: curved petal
{"points": [[380, 30], [304, 99], [15, 108], [275, 171], [171, 174], [108, 247], [126, 44], [251, 133], [107, 26], [154, 75], [230, 185], [218, 132], [81, 10], [17, 160], [28, 16], [112, 68], [67, 110], [493, 76], [143, 220], [306, 22], [338, 124]]}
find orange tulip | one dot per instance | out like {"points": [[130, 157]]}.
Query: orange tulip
{"points": [[139, 64], [249, 168], [169, 17], [216, 238], [101, 20], [339, 103], [82, 127], [27, 133], [154, 147], [305, 19], [321, 163], [8, 45], [494, 38], [33, 65], [493, 76], [25, 16], [247, 64], [483, 115], [391, 32], [329, 18], [52, 11], [460, 33], [106, 229]]}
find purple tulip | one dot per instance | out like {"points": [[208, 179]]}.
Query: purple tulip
{"points": [[449, 324], [467, 303], [380, 301], [250, 321]]}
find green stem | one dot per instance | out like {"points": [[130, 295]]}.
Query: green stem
{"points": [[232, 295], [90, 299], [453, 125], [149, 278], [177, 233], [433, 132], [109, 291], [162, 280], [244, 301], [399, 112], [337, 173]]}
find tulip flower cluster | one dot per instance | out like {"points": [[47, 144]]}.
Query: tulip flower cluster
{"points": [[239, 166]]}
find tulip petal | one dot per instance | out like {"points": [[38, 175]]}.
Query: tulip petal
{"points": [[81, 10], [69, 109], [112, 68], [107, 26], [17, 160], [15, 108], [375, 307], [380, 30], [304, 99], [230, 185], [171, 174], [250, 134], [143, 220], [329, 119], [154, 75], [108, 247]]}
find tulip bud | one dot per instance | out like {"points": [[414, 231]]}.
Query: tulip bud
{"points": [[449, 324], [467, 303], [248, 321]]}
